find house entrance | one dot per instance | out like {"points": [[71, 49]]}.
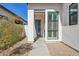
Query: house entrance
{"points": [[39, 23], [38, 27]]}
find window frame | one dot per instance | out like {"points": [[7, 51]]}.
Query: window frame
{"points": [[74, 13]]}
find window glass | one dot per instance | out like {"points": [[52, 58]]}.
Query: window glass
{"points": [[73, 14], [53, 25]]}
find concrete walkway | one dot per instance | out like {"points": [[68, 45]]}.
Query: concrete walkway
{"points": [[39, 48]]}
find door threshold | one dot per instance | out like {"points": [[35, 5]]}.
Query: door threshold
{"points": [[55, 41]]}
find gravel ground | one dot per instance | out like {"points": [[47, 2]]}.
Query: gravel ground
{"points": [[19, 49]]}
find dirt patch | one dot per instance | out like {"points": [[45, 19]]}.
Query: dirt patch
{"points": [[23, 49]]}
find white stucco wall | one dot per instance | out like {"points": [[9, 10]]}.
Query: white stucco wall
{"points": [[30, 25], [31, 28], [26, 29], [70, 33]]}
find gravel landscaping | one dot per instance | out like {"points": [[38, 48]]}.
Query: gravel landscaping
{"points": [[24, 48], [21, 48]]}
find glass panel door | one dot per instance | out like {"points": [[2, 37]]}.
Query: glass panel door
{"points": [[52, 19]]}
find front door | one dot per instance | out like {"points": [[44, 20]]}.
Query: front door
{"points": [[52, 21], [38, 27]]}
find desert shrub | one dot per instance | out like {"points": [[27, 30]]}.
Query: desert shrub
{"points": [[10, 33]]}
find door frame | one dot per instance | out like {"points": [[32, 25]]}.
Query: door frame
{"points": [[42, 33], [46, 26]]}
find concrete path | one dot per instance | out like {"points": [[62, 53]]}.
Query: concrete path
{"points": [[39, 48]]}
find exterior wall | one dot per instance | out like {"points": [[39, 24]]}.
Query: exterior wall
{"points": [[9, 15], [6, 13], [31, 35], [70, 33], [26, 29], [55, 6], [13, 32]]}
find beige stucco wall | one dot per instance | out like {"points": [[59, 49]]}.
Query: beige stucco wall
{"points": [[44, 6], [6, 13], [12, 17]]}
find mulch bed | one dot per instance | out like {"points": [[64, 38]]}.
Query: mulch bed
{"points": [[19, 51]]}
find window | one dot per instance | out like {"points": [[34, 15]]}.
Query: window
{"points": [[73, 14]]}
